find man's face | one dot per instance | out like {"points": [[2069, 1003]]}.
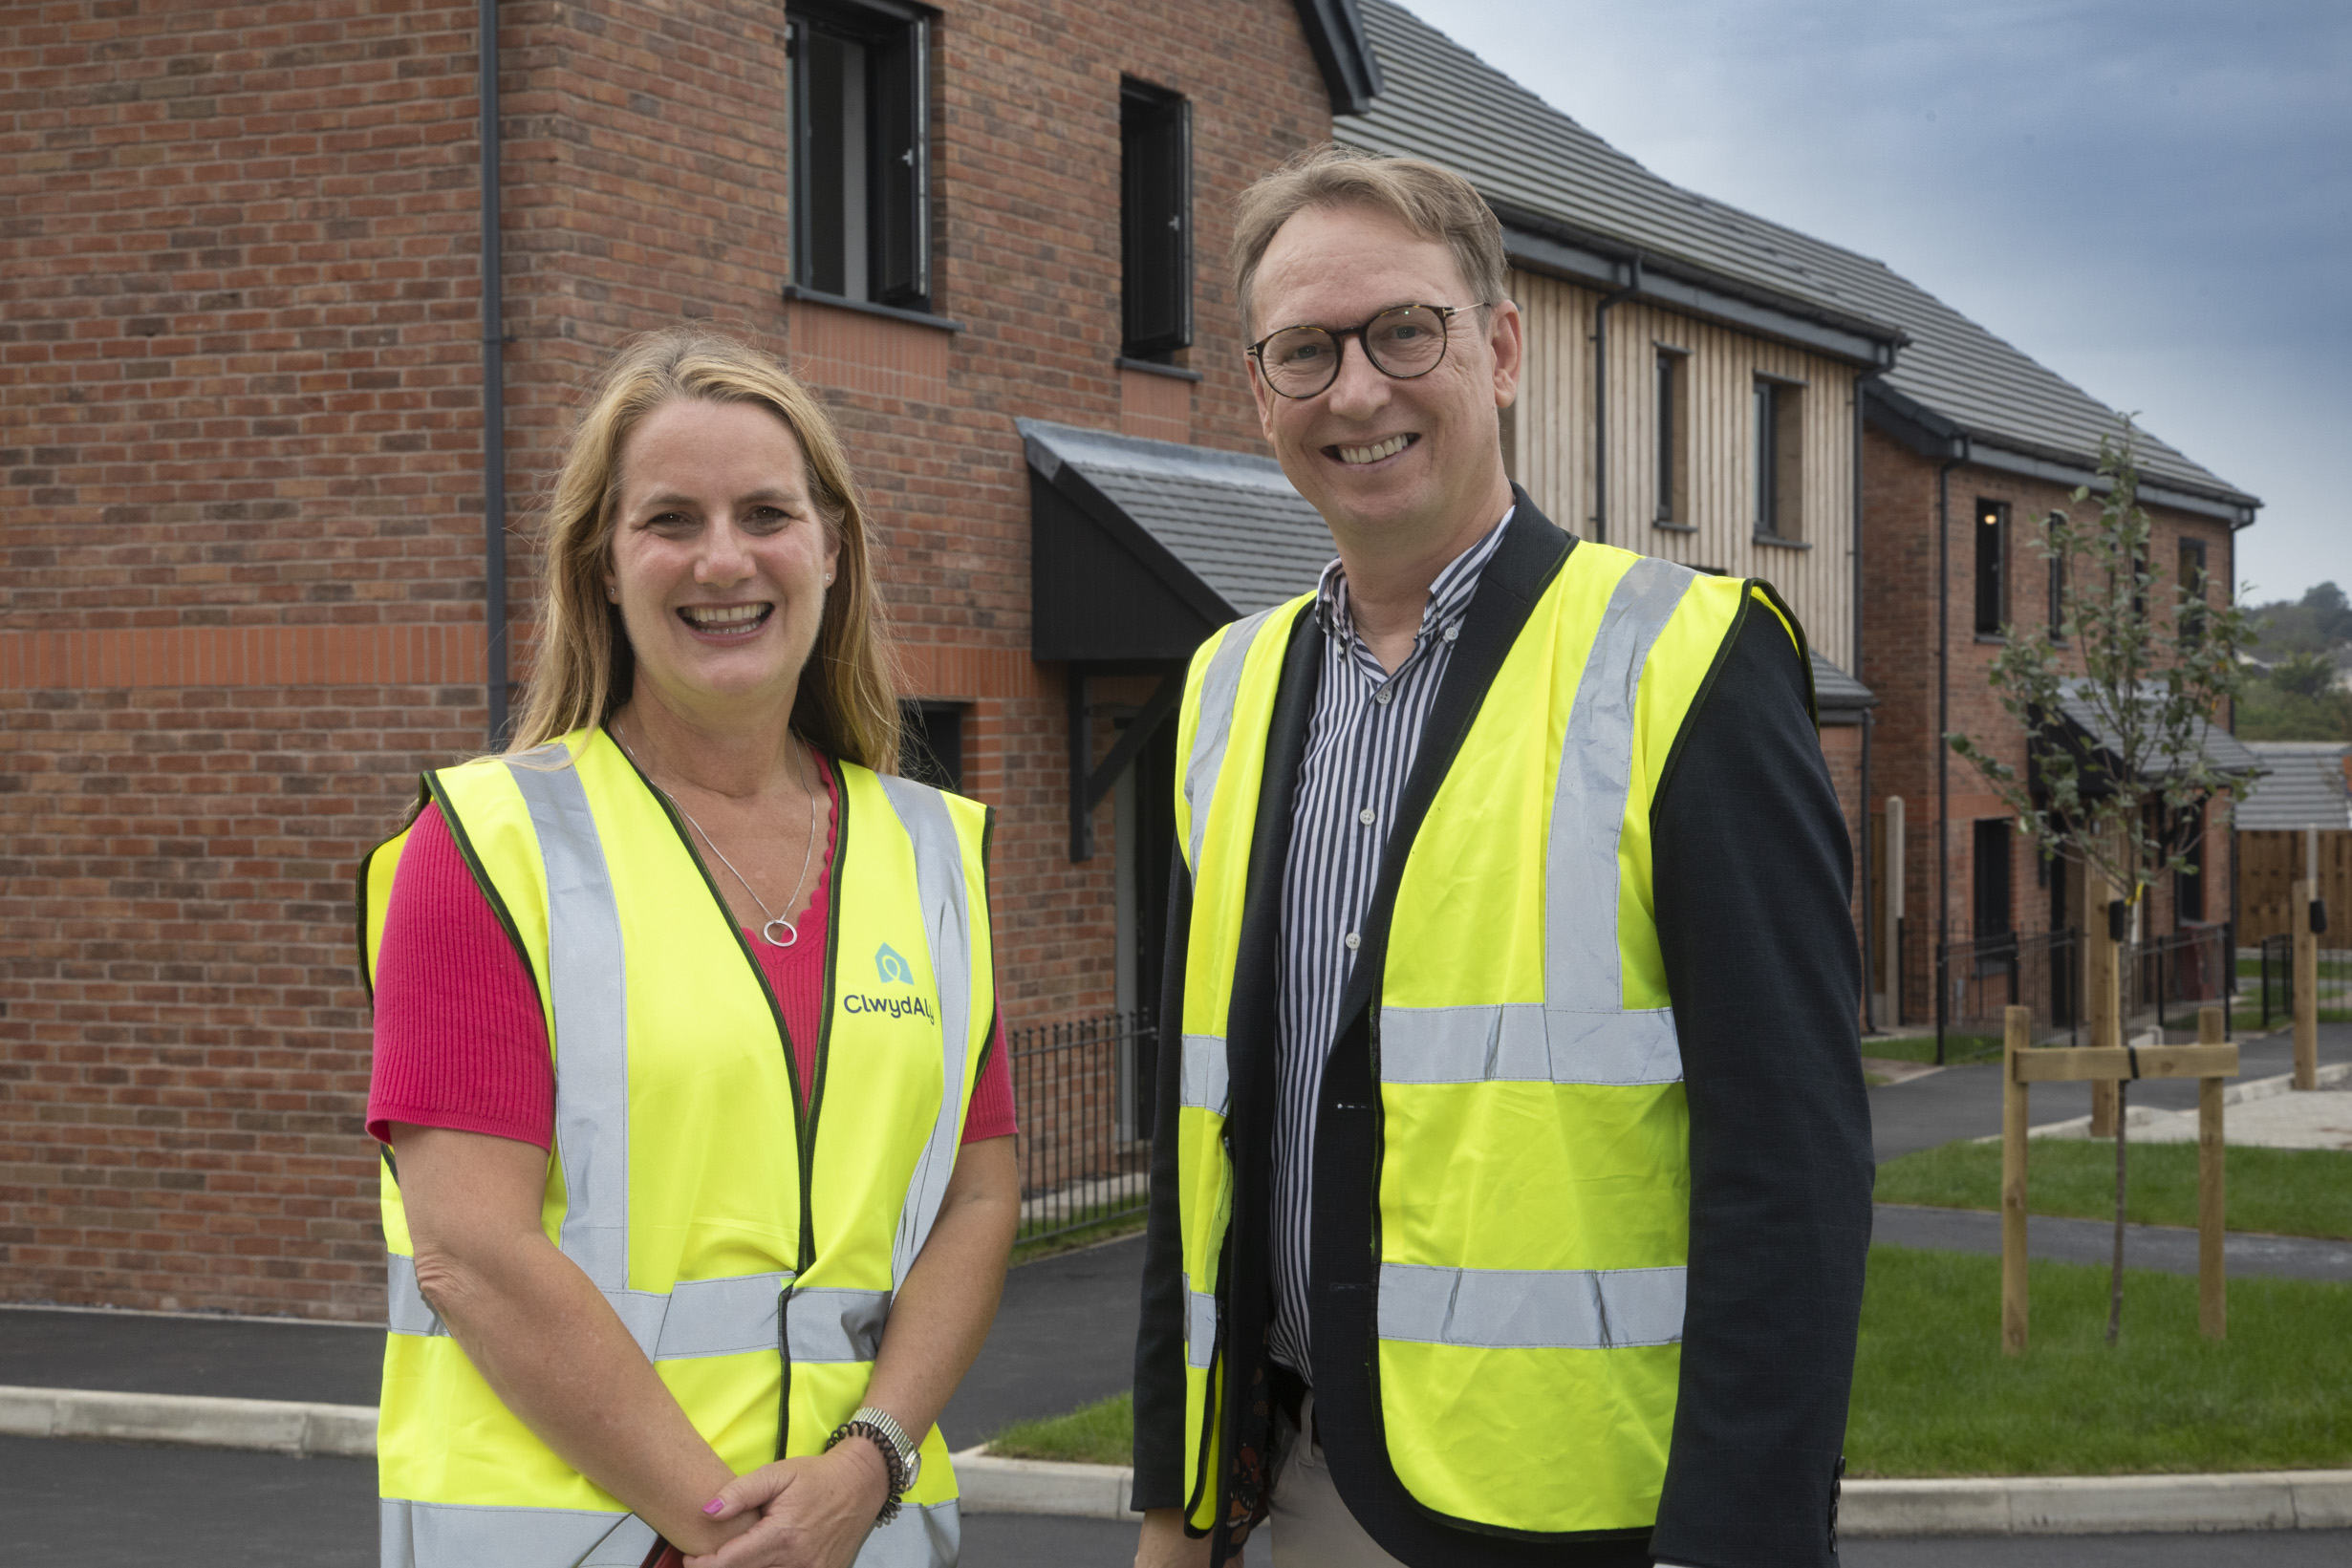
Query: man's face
{"points": [[1384, 462]]}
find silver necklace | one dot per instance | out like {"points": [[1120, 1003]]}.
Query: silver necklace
{"points": [[768, 932]]}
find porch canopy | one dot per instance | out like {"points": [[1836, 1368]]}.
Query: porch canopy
{"points": [[1838, 697], [1141, 548], [1138, 549], [2095, 739]]}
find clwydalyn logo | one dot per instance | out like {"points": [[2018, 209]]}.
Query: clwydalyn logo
{"points": [[893, 970]]}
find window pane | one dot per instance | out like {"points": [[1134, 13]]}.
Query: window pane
{"points": [[1767, 459], [899, 221], [1992, 543], [1155, 221], [1992, 878], [1665, 438]]}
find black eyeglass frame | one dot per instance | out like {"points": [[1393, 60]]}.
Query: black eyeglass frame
{"points": [[1339, 337]]}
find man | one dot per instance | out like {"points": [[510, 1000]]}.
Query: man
{"points": [[1511, 1182]]}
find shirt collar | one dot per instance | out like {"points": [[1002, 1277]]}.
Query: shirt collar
{"points": [[1449, 596]]}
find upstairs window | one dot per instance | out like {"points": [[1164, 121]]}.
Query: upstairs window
{"points": [[861, 167], [2192, 590], [1780, 459], [1155, 221], [1991, 567], [1674, 437]]}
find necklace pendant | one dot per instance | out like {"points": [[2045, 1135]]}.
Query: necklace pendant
{"points": [[791, 933]]}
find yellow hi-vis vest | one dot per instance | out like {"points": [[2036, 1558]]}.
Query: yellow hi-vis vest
{"points": [[752, 1259], [1532, 1154]]}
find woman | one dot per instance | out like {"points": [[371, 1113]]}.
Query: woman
{"points": [[700, 1184]]}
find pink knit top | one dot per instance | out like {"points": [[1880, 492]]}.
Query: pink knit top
{"points": [[460, 1038]]}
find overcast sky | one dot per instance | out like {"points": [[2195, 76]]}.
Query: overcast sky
{"points": [[2153, 198]]}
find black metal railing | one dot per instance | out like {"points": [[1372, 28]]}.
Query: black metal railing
{"points": [[1985, 976], [2172, 975], [1083, 1093], [2275, 962]]}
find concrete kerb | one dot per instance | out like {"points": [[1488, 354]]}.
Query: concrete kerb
{"points": [[2063, 1504], [344, 1431]]}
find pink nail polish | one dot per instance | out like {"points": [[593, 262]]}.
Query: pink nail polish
{"points": [[714, 1505]]}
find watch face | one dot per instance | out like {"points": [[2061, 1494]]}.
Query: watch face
{"points": [[914, 1469]]}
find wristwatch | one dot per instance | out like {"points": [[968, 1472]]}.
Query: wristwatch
{"points": [[878, 1426]]}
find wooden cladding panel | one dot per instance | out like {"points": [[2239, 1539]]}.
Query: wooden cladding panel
{"points": [[1553, 445], [2268, 866]]}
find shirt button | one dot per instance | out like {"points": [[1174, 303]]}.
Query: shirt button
{"points": [[1382, 696], [1454, 630], [1365, 816], [1354, 942]]}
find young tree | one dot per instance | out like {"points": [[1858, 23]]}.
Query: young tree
{"points": [[2117, 710]]}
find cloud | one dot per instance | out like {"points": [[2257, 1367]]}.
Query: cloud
{"points": [[2153, 198]]}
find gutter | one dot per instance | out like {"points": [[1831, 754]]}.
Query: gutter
{"points": [[1600, 401], [1538, 244], [493, 392]]}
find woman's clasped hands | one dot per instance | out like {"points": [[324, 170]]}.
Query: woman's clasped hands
{"points": [[812, 1512]]}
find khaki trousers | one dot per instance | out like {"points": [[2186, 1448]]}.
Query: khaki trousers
{"points": [[1312, 1527]]}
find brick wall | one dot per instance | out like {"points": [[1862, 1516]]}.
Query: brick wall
{"points": [[239, 484], [1899, 643]]}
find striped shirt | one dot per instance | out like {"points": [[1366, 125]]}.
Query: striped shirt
{"points": [[1360, 745]]}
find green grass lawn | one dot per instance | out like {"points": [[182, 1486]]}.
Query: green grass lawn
{"points": [[1114, 1224], [2284, 1192], [1102, 1433], [1934, 1395], [1922, 1048]]}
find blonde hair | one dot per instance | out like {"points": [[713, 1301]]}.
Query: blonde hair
{"points": [[848, 702], [1434, 203]]}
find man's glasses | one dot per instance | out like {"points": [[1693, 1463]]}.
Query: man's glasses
{"points": [[1403, 341]]}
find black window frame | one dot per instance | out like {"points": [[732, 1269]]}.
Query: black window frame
{"points": [[1156, 222], [896, 154], [1991, 577]]}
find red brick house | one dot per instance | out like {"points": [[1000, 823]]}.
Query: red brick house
{"points": [[242, 479]]}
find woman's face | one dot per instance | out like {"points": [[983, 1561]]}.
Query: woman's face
{"points": [[719, 559]]}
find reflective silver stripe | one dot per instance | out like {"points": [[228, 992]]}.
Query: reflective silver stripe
{"points": [[1523, 1042], [1203, 1074], [1199, 1325], [1220, 689], [925, 1535], [1582, 967], [836, 1325], [947, 927], [727, 1317], [1582, 1033], [1531, 1309], [414, 1534], [586, 972], [406, 1311]]}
